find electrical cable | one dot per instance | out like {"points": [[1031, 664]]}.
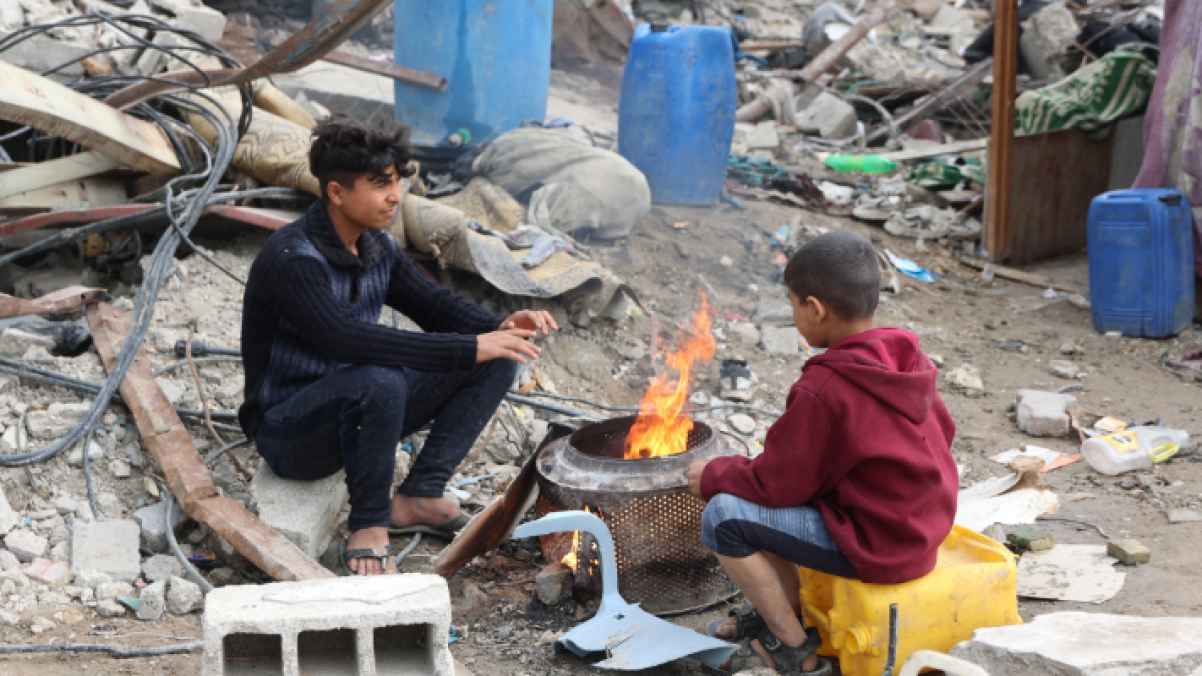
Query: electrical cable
{"points": [[113, 651], [404, 553], [87, 477], [190, 569]]}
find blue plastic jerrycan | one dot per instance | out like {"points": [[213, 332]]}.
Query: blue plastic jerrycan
{"points": [[1141, 262], [495, 54], [676, 116]]}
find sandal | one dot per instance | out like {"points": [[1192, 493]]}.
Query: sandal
{"points": [[748, 624], [788, 660], [345, 556], [445, 530]]}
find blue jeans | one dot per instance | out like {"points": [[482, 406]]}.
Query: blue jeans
{"points": [[732, 526], [355, 417]]}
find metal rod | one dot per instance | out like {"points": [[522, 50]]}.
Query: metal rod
{"points": [[419, 78], [891, 660]]}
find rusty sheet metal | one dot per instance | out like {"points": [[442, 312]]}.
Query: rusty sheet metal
{"points": [[319, 37], [164, 437], [61, 302]]}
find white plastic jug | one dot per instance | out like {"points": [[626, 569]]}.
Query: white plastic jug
{"points": [[1134, 448]]}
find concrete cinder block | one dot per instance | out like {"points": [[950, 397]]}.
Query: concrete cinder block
{"points": [[109, 547], [305, 512], [1044, 414], [387, 624], [828, 116]]}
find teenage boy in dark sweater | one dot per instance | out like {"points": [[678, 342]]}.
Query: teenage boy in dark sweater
{"points": [[856, 478], [328, 387]]}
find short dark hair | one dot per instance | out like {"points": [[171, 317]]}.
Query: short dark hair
{"points": [[841, 270], [344, 149]]}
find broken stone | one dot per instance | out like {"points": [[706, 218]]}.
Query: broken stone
{"points": [[553, 583], [41, 625], [1044, 414], [1088, 644], [742, 423], [1027, 539], [120, 469], [828, 116], [110, 608], [66, 504], [95, 453], [1046, 39], [161, 567], [8, 517], [183, 597], [1064, 369], [91, 579], [207, 22], [14, 439], [762, 136], [109, 547], [776, 312], [9, 561], [60, 551], [1184, 516], [967, 379], [152, 603], [9, 618], [26, 545], [1070, 349], [47, 572], [745, 332], [1129, 552], [780, 339], [55, 421], [109, 591], [16, 342], [152, 519], [305, 512], [220, 577]]}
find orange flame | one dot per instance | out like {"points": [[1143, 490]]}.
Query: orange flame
{"points": [[569, 560], [660, 428]]}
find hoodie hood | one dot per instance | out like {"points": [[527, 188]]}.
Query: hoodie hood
{"points": [[887, 364]]}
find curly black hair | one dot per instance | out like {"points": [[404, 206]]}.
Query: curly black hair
{"points": [[344, 149]]}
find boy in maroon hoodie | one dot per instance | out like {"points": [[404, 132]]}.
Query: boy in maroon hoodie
{"points": [[856, 478]]}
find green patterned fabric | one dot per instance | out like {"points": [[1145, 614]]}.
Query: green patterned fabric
{"points": [[1116, 86]]}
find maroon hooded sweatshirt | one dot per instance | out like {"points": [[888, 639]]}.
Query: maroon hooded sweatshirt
{"points": [[866, 440]]}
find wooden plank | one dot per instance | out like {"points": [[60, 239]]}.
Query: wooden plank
{"points": [[61, 302], [1054, 178], [50, 172], [999, 182], [165, 438], [828, 57], [28, 98], [1015, 275], [98, 191]]}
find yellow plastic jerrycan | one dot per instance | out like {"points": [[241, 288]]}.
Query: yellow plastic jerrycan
{"points": [[972, 586]]}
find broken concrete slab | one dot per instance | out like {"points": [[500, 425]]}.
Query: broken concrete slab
{"points": [[47, 572], [1046, 38], [1089, 644], [761, 136], [1129, 552], [152, 602], [828, 116], [8, 517], [109, 547], [152, 519], [967, 379], [196, 17], [26, 545], [1184, 516], [780, 339], [1081, 573], [305, 512], [1044, 414]]}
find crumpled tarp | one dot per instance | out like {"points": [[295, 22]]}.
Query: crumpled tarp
{"points": [[1113, 87], [569, 185], [1173, 123]]}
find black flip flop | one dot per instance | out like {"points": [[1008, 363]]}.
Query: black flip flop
{"points": [[345, 556], [445, 530], [788, 660]]}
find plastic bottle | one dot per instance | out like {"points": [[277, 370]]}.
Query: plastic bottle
{"points": [[864, 164], [1134, 448]]}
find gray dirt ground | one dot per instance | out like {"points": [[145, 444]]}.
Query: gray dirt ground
{"points": [[960, 318]]}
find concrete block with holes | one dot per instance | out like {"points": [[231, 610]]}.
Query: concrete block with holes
{"points": [[358, 626]]}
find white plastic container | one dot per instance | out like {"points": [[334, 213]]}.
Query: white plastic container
{"points": [[1134, 448]]}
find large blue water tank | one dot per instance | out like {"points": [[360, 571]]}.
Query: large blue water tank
{"points": [[1141, 262], [495, 54], [676, 116]]}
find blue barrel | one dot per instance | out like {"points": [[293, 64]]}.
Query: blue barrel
{"points": [[496, 56], [1141, 262], [676, 116]]}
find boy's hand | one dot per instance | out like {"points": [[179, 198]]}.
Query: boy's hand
{"points": [[696, 468], [506, 344], [539, 321]]}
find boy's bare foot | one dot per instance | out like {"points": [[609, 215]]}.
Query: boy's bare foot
{"points": [[409, 511], [368, 538], [810, 663]]}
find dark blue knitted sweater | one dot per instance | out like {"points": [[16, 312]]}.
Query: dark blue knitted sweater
{"points": [[312, 306]]}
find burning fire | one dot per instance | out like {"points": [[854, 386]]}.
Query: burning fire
{"points": [[569, 560], [660, 428]]}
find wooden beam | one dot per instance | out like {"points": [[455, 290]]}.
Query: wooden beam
{"points": [[28, 98], [828, 57], [418, 78], [188, 479], [62, 302], [968, 146], [998, 218], [51, 172]]}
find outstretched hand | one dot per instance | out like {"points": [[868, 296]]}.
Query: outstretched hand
{"points": [[539, 321], [696, 469], [506, 344]]}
